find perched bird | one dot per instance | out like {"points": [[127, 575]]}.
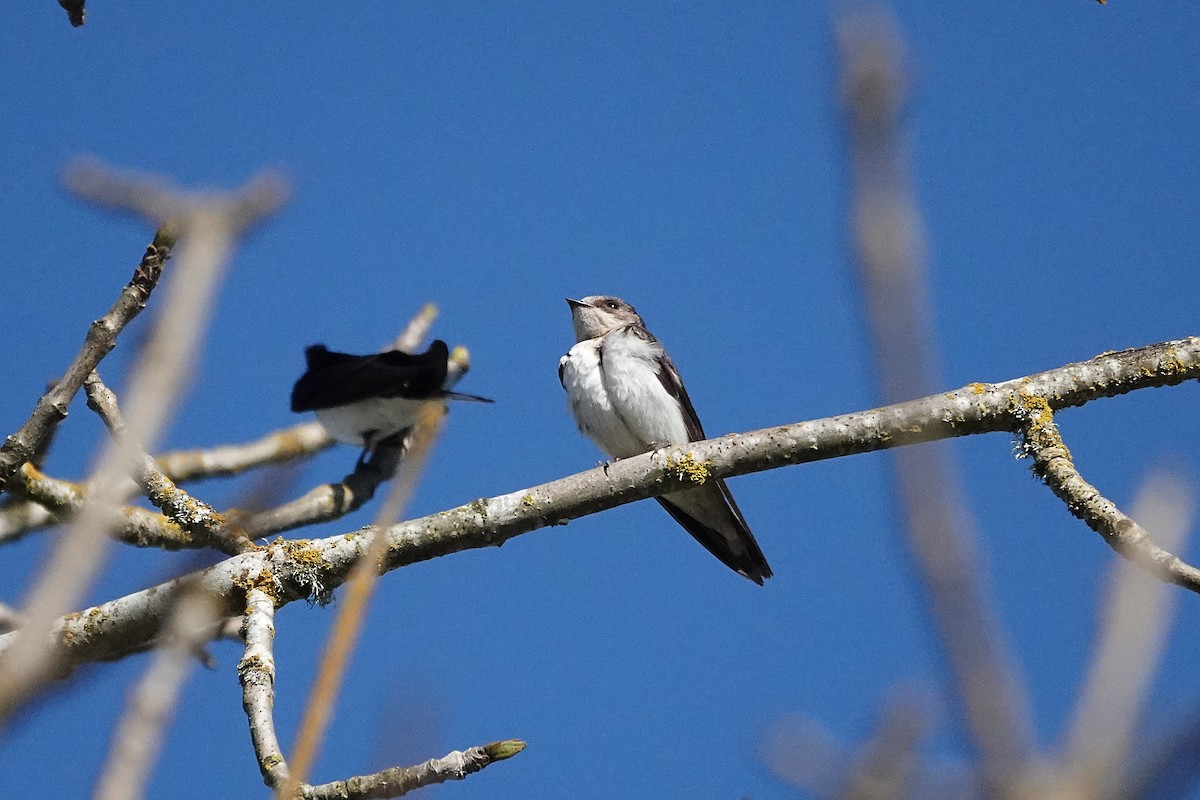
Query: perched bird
{"points": [[627, 396], [363, 400]]}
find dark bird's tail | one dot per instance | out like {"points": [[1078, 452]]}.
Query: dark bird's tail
{"points": [[710, 514], [473, 398]]}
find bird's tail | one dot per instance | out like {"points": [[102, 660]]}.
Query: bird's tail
{"points": [[472, 398]]}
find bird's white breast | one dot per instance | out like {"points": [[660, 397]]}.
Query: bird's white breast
{"points": [[618, 400], [385, 416]]}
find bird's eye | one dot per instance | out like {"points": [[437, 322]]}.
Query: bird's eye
{"points": [[612, 304]]}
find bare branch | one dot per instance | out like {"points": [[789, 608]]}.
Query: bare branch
{"points": [[308, 568], [101, 337], [138, 737], [189, 514], [257, 673], [206, 229], [940, 535], [396, 782], [277, 447], [1137, 616], [1052, 462], [63, 500]]}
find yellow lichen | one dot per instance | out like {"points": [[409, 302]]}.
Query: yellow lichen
{"points": [[687, 468], [528, 501], [978, 388]]}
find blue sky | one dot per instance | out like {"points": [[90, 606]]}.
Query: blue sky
{"points": [[686, 157]]}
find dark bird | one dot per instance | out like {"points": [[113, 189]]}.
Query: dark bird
{"points": [[627, 396], [363, 400]]}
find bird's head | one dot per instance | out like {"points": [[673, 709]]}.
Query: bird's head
{"points": [[599, 314]]}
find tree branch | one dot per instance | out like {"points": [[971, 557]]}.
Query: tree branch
{"points": [[208, 227], [189, 514], [64, 499], [285, 444], [256, 671], [1052, 462], [312, 568], [395, 782], [101, 337]]}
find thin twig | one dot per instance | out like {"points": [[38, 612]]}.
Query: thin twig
{"points": [[190, 514], [101, 337], [313, 567], [397, 781], [129, 524], [277, 447], [1053, 463]]}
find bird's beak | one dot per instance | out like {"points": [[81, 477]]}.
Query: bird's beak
{"points": [[574, 304]]}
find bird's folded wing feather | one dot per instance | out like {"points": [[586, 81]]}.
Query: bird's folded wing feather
{"points": [[336, 379]]}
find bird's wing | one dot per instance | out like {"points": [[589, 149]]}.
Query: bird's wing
{"points": [[668, 376], [711, 516], [336, 379], [709, 512]]}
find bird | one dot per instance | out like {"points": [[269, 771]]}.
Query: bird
{"points": [[627, 396], [363, 400]]}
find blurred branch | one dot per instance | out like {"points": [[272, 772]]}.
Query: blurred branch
{"points": [[312, 567], [140, 733], [887, 763], [189, 514], [1137, 615], [939, 528], [206, 226], [19, 517], [10, 618], [1166, 767]]}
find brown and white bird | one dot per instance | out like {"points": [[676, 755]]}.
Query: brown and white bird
{"points": [[627, 397]]}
